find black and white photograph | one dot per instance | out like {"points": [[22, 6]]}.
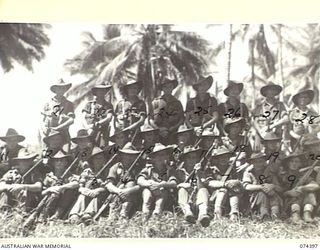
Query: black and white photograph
{"points": [[150, 130]]}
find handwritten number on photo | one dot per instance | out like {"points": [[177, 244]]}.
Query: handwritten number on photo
{"points": [[291, 178], [263, 178], [275, 155]]}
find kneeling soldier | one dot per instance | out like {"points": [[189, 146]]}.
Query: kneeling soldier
{"points": [[156, 180], [263, 189]]}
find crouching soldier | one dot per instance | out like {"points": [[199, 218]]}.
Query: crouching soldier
{"points": [[125, 189], [189, 187], [18, 189], [227, 187], [156, 180], [62, 192], [300, 195], [263, 189], [91, 189]]}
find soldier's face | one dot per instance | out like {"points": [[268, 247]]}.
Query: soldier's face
{"points": [[121, 139], [12, 142], [24, 165], [149, 138], [55, 142], [128, 159], [234, 129], [258, 164], [183, 138], [233, 92], [206, 142], [98, 161], [201, 89], [222, 160], [60, 165], [59, 91], [132, 91], [294, 164], [12, 176], [167, 89], [303, 100], [271, 93]]}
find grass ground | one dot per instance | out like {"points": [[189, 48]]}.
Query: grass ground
{"points": [[166, 226]]}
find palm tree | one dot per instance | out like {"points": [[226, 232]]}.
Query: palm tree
{"points": [[144, 52], [309, 47], [22, 43]]}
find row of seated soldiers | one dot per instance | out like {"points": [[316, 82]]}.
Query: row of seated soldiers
{"points": [[198, 173]]}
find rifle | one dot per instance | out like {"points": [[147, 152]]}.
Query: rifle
{"points": [[193, 172], [31, 170], [111, 197], [31, 219]]}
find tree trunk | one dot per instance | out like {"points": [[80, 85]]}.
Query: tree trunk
{"points": [[280, 60], [252, 43], [229, 53]]}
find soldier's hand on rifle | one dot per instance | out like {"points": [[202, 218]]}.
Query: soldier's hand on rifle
{"points": [[53, 190], [184, 185], [156, 185], [197, 168], [124, 193], [268, 188], [230, 184], [15, 188], [198, 131]]}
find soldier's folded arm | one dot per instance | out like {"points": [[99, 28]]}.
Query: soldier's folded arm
{"points": [[70, 185], [216, 184], [215, 118], [35, 187], [171, 183], [4, 186], [252, 187], [143, 182], [67, 123], [311, 187]]}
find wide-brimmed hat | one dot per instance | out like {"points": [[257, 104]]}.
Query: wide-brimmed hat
{"points": [[239, 121], [257, 156], [287, 158], [273, 86], [233, 85], [299, 93], [131, 84], [206, 82], [104, 88], [12, 133], [270, 136], [60, 85], [172, 81], [129, 149], [190, 152], [82, 136], [123, 132], [147, 128], [209, 133], [158, 147], [52, 135], [221, 151], [313, 141], [23, 155], [96, 151], [183, 128], [60, 155]]}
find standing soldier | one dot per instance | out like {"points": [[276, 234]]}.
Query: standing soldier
{"points": [[130, 112], [263, 191], [98, 114], [299, 197], [304, 120], [233, 107], [156, 180], [11, 149], [58, 113], [25, 191], [167, 112], [272, 110], [202, 110]]}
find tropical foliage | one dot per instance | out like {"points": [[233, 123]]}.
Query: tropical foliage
{"points": [[22, 43]]}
